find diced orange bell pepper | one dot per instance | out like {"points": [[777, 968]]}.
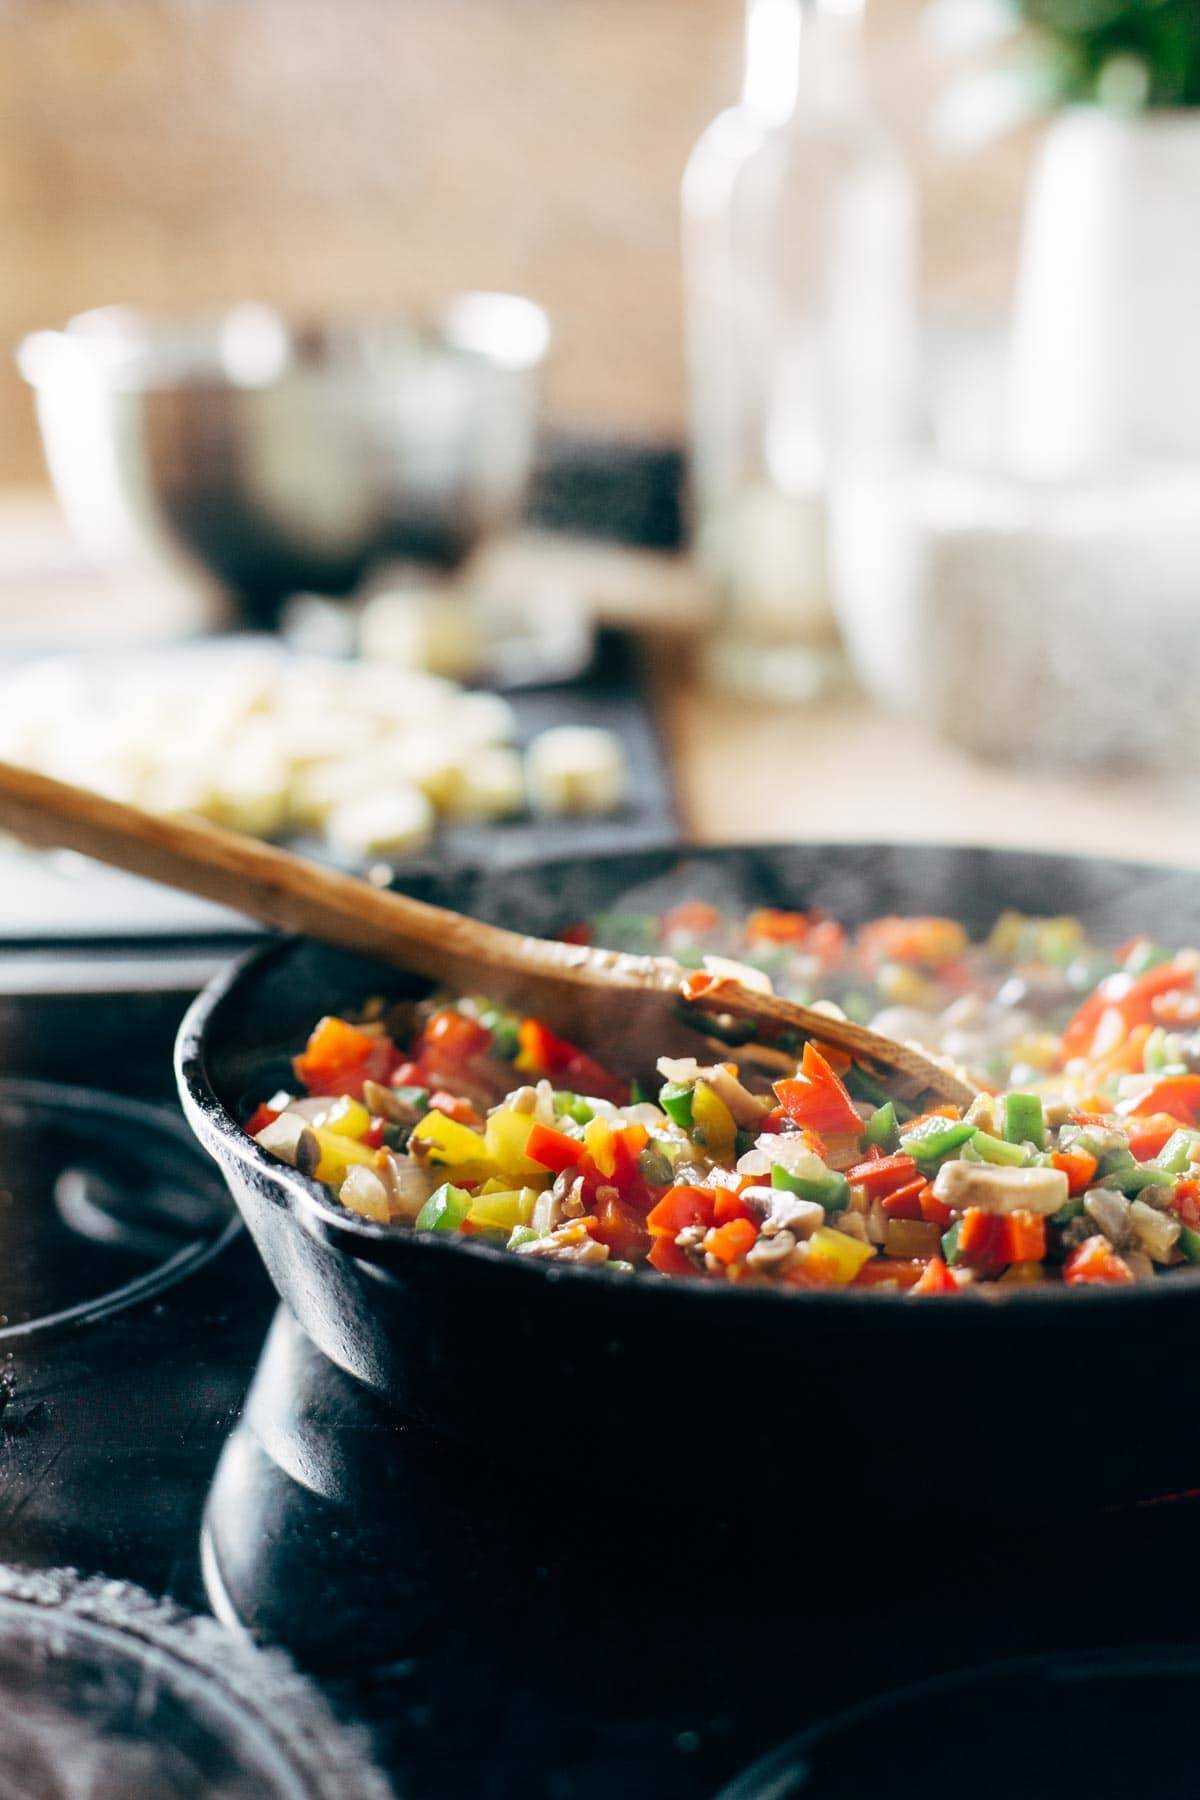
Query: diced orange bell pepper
{"points": [[933, 1210], [1177, 1095], [1021, 1237], [680, 1207], [936, 1279], [930, 941], [1095, 1262], [775, 926], [339, 1057], [728, 1242], [554, 1149], [456, 1108], [696, 917], [816, 1098], [1078, 1166]]}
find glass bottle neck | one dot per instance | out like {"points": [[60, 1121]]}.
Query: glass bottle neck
{"points": [[799, 50]]}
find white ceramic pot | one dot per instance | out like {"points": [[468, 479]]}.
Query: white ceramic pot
{"points": [[1106, 350]]}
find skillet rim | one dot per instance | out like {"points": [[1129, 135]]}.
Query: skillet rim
{"points": [[375, 1245]]}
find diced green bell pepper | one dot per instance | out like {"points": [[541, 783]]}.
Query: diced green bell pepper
{"points": [[1070, 1209], [1174, 1154], [417, 1097], [445, 1209], [521, 1234], [654, 1168], [999, 1150], [830, 1190], [950, 1243], [1131, 1181], [882, 1129], [936, 1137], [864, 1086], [675, 1098], [1189, 1243], [1024, 1121]]}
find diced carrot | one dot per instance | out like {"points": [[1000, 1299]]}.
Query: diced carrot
{"points": [[936, 1279], [882, 1271], [905, 1202], [1095, 1262], [1022, 1237], [881, 1175], [680, 1207], [728, 1242], [1078, 1166]]}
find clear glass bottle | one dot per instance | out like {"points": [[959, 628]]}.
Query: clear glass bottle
{"points": [[799, 292]]}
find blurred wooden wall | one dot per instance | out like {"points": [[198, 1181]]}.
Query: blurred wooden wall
{"points": [[365, 153]]}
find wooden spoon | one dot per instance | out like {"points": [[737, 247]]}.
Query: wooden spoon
{"points": [[628, 1010]]}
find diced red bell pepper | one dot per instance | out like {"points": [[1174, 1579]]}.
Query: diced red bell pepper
{"points": [[1133, 1001], [541, 1053], [936, 1278], [1147, 1136], [979, 1244], [259, 1119], [816, 1097], [680, 1207], [374, 1137], [666, 1256], [731, 1241], [576, 934], [1095, 1262], [1177, 1095], [827, 941], [905, 1202], [627, 1144], [339, 1057], [451, 1038], [1078, 1166], [730, 1205], [776, 1120], [772, 925], [1187, 1201], [554, 1149], [456, 1108], [933, 1210], [883, 1174], [620, 1226]]}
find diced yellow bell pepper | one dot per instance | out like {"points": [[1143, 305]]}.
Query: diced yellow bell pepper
{"points": [[901, 985], [1004, 940], [834, 1257], [1037, 1048], [337, 1155], [347, 1117], [505, 1137], [712, 1122], [502, 1210], [453, 1145], [598, 1140], [1021, 1274]]}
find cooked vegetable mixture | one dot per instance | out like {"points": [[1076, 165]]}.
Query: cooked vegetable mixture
{"points": [[1079, 1161]]}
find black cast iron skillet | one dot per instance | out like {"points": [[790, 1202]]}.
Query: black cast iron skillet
{"points": [[657, 1393]]}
